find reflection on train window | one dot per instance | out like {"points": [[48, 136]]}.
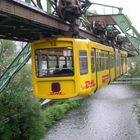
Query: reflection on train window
{"points": [[51, 62], [83, 62]]}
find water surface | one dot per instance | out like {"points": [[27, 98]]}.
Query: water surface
{"points": [[108, 115]]}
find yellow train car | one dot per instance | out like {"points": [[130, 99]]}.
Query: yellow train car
{"points": [[65, 67]]}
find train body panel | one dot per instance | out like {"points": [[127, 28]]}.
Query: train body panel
{"points": [[49, 88], [105, 77], [65, 67], [87, 79]]}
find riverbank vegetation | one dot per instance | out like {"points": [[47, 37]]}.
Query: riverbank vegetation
{"points": [[134, 71], [20, 113], [21, 116], [57, 111]]}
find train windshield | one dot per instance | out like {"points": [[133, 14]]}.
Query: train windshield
{"points": [[54, 62]]}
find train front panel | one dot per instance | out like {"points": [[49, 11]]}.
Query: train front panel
{"points": [[53, 68]]}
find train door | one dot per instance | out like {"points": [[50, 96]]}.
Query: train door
{"points": [[115, 63], [111, 66], [119, 64], [84, 71], [105, 72], [98, 69], [93, 69]]}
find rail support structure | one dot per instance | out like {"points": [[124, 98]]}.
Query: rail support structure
{"points": [[15, 66], [131, 33]]}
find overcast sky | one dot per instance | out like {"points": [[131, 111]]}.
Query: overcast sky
{"points": [[131, 8]]}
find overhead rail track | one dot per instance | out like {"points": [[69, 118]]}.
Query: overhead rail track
{"points": [[130, 32], [126, 27], [23, 22]]}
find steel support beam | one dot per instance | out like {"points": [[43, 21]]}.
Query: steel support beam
{"points": [[35, 17], [31, 14], [15, 66]]}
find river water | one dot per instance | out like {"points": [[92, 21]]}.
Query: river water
{"points": [[108, 115]]}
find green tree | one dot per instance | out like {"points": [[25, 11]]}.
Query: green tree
{"points": [[7, 53], [134, 66], [20, 113]]}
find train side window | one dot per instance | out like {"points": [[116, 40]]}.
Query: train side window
{"points": [[111, 61], [98, 61], [83, 62], [102, 61], [92, 60], [107, 61], [122, 60], [118, 60]]}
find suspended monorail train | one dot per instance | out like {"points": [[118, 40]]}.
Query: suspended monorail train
{"points": [[65, 67]]}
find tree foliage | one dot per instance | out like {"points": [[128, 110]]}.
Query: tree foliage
{"points": [[20, 117], [20, 113], [134, 66], [7, 53], [134, 71]]}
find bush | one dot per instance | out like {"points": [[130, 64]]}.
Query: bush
{"points": [[20, 117], [57, 111]]}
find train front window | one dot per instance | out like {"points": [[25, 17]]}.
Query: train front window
{"points": [[54, 62]]}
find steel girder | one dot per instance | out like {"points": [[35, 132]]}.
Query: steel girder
{"points": [[15, 66]]}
